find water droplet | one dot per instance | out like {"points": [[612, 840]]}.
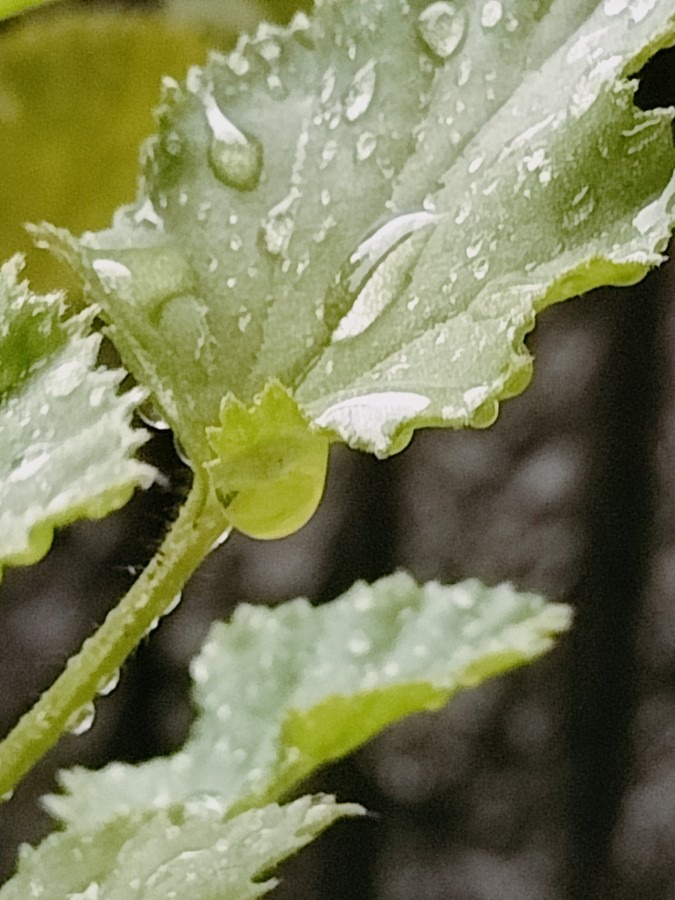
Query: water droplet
{"points": [[146, 213], [110, 272], [327, 84], [365, 146], [91, 893], [582, 206], [480, 269], [492, 14], [361, 92], [235, 158], [152, 417], [359, 645], [474, 249], [108, 684], [82, 719], [375, 273], [371, 416], [145, 275], [277, 227], [31, 462], [442, 27], [180, 452], [220, 540], [174, 604], [476, 163]]}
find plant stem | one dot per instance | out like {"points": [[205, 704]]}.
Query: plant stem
{"points": [[200, 523]]}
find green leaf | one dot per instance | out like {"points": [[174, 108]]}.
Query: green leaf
{"points": [[270, 468], [283, 691], [76, 96], [66, 444], [371, 206], [187, 851]]}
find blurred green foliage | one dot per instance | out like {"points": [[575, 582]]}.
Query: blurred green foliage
{"points": [[77, 89]]}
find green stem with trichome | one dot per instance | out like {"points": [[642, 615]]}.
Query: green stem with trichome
{"points": [[200, 523]]}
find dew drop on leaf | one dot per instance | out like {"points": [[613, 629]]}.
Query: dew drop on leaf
{"points": [[374, 274], [360, 94], [359, 645], [235, 158], [110, 272], [365, 146], [277, 227], [82, 719], [480, 269], [491, 14], [442, 27]]}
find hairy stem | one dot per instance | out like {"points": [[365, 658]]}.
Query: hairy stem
{"points": [[200, 523]]}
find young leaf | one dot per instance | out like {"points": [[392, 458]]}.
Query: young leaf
{"points": [[66, 445], [372, 205], [282, 691], [191, 850], [270, 468]]}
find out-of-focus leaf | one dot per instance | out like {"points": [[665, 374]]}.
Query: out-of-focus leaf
{"points": [[185, 851], [283, 691], [66, 443]]}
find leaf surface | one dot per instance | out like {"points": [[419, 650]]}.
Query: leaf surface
{"points": [[66, 443], [372, 205], [184, 851], [283, 691]]}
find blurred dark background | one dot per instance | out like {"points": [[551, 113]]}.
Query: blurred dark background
{"points": [[556, 782]]}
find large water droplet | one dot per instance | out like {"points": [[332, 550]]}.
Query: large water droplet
{"points": [[235, 158], [442, 27], [375, 274], [360, 94], [82, 719]]}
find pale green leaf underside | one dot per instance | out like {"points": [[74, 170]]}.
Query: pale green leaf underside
{"points": [[186, 851], [66, 443], [282, 691], [517, 170]]}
